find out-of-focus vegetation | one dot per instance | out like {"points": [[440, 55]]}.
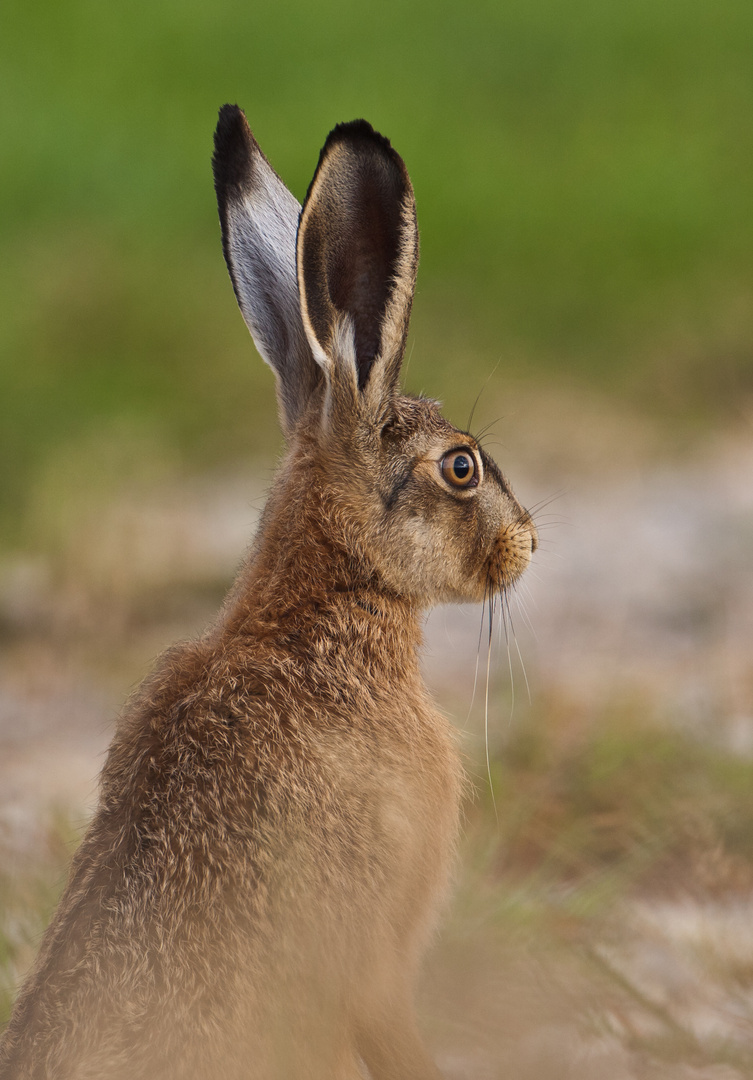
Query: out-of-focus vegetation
{"points": [[605, 804], [29, 890], [598, 878], [583, 181]]}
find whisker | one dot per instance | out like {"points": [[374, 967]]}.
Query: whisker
{"points": [[479, 435], [517, 647], [509, 666], [546, 550], [478, 653], [523, 585], [552, 523], [486, 708], [406, 365], [519, 600], [532, 573], [547, 501], [478, 396]]}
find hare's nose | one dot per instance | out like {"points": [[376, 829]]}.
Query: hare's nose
{"points": [[534, 535], [527, 525]]}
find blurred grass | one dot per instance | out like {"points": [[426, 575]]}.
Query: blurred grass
{"points": [[583, 181], [30, 885], [619, 804]]}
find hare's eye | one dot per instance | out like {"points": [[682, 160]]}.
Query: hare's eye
{"points": [[459, 469]]}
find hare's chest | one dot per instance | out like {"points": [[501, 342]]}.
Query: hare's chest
{"points": [[399, 791]]}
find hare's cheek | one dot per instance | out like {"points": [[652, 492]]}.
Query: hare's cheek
{"points": [[418, 560], [453, 561], [403, 554]]}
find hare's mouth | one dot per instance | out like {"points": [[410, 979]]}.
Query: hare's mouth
{"points": [[511, 553]]}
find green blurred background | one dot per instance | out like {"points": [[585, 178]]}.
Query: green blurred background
{"points": [[583, 177]]}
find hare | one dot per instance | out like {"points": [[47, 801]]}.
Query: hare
{"points": [[279, 806]]}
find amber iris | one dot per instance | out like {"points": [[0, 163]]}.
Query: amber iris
{"points": [[459, 469]]}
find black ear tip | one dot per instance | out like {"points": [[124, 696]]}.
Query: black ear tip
{"points": [[359, 131], [355, 129], [361, 136], [233, 146]]}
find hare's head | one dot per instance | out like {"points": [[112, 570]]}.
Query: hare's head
{"points": [[326, 292]]}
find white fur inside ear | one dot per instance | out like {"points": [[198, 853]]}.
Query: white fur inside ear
{"points": [[342, 345], [342, 359], [261, 241], [317, 351]]}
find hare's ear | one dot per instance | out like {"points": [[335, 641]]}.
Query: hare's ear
{"points": [[259, 219], [357, 261]]}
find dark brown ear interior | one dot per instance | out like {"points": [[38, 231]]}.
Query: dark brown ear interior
{"points": [[353, 236]]}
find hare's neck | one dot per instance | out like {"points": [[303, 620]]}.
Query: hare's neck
{"points": [[301, 591]]}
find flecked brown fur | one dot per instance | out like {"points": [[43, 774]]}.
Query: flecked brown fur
{"points": [[279, 806]]}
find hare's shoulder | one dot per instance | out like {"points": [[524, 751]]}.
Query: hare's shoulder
{"points": [[231, 753]]}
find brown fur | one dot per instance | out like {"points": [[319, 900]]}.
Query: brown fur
{"points": [[279, 806]]}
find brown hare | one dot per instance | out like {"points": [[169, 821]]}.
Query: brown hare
{"points": [[279, 806]]}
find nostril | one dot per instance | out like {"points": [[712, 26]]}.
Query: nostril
{"points": [[526, 525]]}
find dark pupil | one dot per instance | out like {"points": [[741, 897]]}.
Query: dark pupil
{"points": [[461, 466]]}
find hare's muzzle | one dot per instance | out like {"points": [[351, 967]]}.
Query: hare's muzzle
{"points": [[513, 547]]}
